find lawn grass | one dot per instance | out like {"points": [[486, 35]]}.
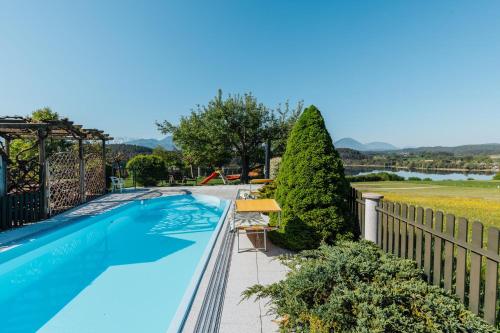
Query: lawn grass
{"points": [[215, 181], [475, 200]]}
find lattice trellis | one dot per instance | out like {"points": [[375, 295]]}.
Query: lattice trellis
{"points": [[23, 168], [94, 176], [63, 181]]}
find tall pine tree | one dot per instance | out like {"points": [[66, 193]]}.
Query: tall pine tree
{"points": [[311, 187]]}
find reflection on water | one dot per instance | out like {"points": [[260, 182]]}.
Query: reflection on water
{"points": [[433, 174]]}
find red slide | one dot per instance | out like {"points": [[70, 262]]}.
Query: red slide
{"points": [[209, 178], [233, 177]]}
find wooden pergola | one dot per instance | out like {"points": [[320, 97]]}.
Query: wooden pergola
{"points": [[63, 129]]}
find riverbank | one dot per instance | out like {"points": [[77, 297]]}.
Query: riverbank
{"points": [[492, 170]]}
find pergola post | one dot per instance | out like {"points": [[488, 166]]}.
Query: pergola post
{"points": [[44, 194], [3, 176], [82, 171], [4, 169], [7, 147], [104, 163]]}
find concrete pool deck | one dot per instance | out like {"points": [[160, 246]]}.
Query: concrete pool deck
{"points": [[246, 269]]}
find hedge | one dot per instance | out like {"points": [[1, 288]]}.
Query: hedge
{"points": [[311, 188], [375, 177], [148, 169], [355, 287]]}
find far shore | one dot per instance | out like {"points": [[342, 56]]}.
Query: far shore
{"points": [[420, 168]]}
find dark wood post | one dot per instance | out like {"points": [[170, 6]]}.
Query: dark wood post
{"points": [[44, 197], [3, 176], [82, 171], [267, 166], [6, 164], [7, 147], [104, 164]]}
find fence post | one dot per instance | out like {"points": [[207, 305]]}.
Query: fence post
{"points": [[371, 224]]}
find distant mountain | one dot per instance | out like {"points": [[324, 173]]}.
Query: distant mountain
{"points": [[166, 143], [356, 145]]}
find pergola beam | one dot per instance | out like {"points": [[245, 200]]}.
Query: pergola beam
{"points": [[26, 128]]}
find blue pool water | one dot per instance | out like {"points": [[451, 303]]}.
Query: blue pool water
{"points": [[133, 269]]}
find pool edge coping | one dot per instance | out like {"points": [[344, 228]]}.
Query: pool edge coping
{"points": [[181, 315]]}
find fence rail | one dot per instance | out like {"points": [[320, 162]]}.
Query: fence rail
{"points": [[454, 254], [19, 209]]}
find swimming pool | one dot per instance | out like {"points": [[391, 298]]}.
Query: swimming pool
{"points": [[133, 269]]}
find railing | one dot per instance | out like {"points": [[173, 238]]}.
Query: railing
{"points": [[357, 208], [19, 209], [453, 253]]}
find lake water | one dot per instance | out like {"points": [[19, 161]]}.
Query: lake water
{"points": [[434, 175]]}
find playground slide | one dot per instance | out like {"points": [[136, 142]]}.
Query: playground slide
{"points": [[228, 177], [233, 177], [237, 176], [209, 178]]}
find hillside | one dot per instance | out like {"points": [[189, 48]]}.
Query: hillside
{"points": [[166, 143], [485, 149], [350, 143]]}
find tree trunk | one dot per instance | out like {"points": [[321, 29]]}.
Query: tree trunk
{"points": [[244, 169], [192, 171]]}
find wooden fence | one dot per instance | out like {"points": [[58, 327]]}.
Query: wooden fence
{"points": [[19, 209], [454, 254]]}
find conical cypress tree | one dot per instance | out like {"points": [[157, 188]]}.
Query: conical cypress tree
{"points": [[311, 187]]}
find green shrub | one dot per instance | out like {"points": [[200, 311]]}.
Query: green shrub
{"points": [[415, 178], [267, 191], [311, 187], [427, 179], [497, 176], [354, 287], [148, 169], [375, 177]]}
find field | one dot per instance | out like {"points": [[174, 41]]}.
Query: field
{"points": [[475, 200]]}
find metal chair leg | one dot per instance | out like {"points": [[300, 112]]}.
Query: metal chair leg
{"points": [[265, 240]]}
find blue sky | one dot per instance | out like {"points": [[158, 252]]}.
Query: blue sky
{"points": [[407, 72]]}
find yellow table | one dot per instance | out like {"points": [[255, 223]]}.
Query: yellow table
{"points": [[260, 181], [255, 206]]}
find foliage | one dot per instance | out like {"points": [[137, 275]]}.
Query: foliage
{"points": [[148, 169], [267, 191], [311, 187], [355, 287], [230, 127], [171, 158], [23, 157], [351, 155], [199, 138], [420, 160], [128, 151], [418, 179], [282, 121], [497, 176], [376, 177], [274, 166], [25, 149], [118, 155]]}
